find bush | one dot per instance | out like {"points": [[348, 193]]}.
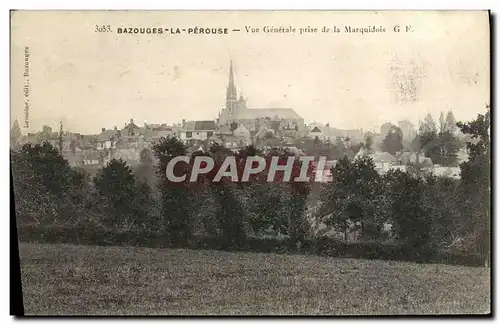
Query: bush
{"points": [[319, 246]]}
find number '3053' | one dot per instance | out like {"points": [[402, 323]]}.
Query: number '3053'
{"points": [[102, 28]]}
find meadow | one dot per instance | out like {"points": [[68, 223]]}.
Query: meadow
{"points": [[61, 279]]}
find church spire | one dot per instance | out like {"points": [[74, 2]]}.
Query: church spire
{"points": [[231, 89]]}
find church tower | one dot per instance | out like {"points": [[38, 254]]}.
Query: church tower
{"points": [[231, 95]]}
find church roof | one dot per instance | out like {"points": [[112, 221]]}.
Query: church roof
{"points": [[285, 113]]}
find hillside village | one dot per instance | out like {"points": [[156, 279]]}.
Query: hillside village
{"points": [[95, 151], [238, 126]]}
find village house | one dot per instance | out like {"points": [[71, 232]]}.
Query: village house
{"points": [[383, 161], [235, 139], [195, 131], [91, 158], [327, 133], [316, 133], [158, 132], [107, 139], [242, 134], [407, 158]]}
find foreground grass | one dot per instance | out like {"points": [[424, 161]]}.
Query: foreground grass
{"points": [[89, 280]]}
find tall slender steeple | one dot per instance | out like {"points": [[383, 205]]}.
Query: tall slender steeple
{"points": [[231, 95]]}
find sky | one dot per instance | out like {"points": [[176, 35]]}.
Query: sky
{"points": [[91, 80]]}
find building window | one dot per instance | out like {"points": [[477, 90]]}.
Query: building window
{"points": [[210, 133], [189, 134]]}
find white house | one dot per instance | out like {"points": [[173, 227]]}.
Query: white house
{"points": [[197, 130]]}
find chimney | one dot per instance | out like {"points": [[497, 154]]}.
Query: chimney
{"points": [[103, 129], [183, 123], [115, 128], [131, 120]]}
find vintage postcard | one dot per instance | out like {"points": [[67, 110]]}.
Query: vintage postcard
{"points": [[252, 162]]}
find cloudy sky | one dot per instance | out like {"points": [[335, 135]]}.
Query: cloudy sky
{"points": [[91, 80]]}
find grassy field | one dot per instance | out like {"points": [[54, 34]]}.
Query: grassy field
{"points": [[89, 280]]}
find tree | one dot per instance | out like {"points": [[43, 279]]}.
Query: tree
{"points": [[116, 183], [47, 189], [297, 223], [393, 142], [442, 147], [229, 210], [229, 215], [353, 196], [441, 203], [415, 144], [369, 141], [15, 135], [145, 207], [266, 205], [48, 165], [448, 146], [476, 182], [384, 129], [404, 199], [429, 141], [451, 124], [442, 123], [145, 171], [428, 125], [175, 197]]}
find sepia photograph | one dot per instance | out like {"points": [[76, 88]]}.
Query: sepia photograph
{"points": [[251, 163]]}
